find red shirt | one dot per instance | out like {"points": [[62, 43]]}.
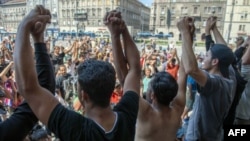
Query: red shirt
{"points": [[115, 98], [173, 70]]}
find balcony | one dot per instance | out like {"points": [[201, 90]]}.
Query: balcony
{"points": [[195, 14], [242, 33], [162, 16]]}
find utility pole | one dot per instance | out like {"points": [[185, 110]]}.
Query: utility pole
{"points": [[230, 24]]}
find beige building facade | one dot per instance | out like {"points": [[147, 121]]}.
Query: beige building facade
{"points": [[135, 14], [52, 29], [237, 20], [12, 12], [166, 13]]}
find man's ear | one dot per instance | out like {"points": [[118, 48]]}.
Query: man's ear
{"points": [[85, 96], [215, 61]]}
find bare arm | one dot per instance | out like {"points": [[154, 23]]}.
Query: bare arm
{"points": [[217, 35], [5, 71], [188, 56], [119, 58], [67, 50], [209, 26], [180, 99], [246, 57], [132, 81], [177, 58], [41, 101]]}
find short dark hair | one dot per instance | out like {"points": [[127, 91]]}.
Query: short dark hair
{"points": [[225, 56], [164, 87], [97, 79]]}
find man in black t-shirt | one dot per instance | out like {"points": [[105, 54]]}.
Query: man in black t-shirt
{"points": [[19, 124], [96, 82]]}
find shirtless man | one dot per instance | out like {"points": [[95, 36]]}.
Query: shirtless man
{"points": [[159, 120]]}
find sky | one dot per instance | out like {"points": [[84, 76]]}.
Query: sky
{"points": [[147, 2]]}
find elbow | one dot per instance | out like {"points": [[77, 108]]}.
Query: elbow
{"points": [[191, 70]]}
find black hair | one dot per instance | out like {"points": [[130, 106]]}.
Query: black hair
{"points": [[173, 60], [164, 87], [225, 56], [97, 79]]}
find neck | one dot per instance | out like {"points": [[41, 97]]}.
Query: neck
{"points": [[105, 117], [215, 71], [95, 112], [160, 107]]}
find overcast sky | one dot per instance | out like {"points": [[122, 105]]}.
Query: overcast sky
{"points": [[147, 2]]}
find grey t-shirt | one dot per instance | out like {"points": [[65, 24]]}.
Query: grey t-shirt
{"points": [[211, 106], [243, 110]]}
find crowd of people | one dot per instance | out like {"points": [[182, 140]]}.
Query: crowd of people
{"points": [[109, 90]]}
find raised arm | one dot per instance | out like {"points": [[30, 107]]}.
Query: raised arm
{"points": [[180, 99], [209, 26], [119, 58], [41, 101], [132, 81], [246, 56], [186, 28], [217, 35], [5, 71], [177, 57], [23, 119]]}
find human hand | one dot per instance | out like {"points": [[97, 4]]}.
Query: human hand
{"points": [[186, 25], [247, 42], [211, 23], [174, 52], [114, 22], [35, 22]]}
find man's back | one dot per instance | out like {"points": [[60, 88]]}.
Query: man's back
{"points": [[75, 127], [158, 125]]}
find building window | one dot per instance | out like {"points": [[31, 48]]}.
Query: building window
{"points": [[162, 10], [219, 10], [240, 27], [182, 10], [243, 27], [99, 11], [245, 2], [162, 22], [195, 10], [209, 10], [173, 10], [93, 12]]}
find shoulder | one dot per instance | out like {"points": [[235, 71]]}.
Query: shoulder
{"points": [[129, 103]]}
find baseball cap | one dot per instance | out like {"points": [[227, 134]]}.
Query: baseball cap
{"points": [[225, 56]]}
